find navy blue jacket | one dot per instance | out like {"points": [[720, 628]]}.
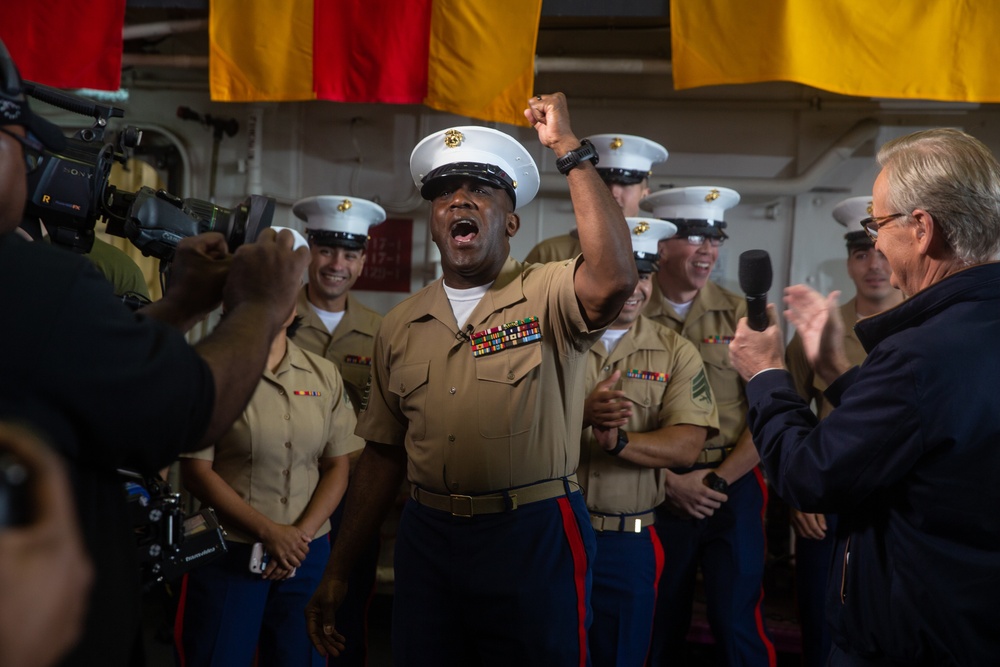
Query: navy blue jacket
{"points": [[910, 459]]}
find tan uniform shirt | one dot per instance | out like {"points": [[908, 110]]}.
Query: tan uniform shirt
{"points": [[555, 249], [664, 378], [710, 325], [297, 415], [476, 424], [349, 346], [809, 385]]}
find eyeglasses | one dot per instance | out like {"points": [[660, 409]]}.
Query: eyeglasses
{"points": [[872, 225], [698, 239], [32, 149]]}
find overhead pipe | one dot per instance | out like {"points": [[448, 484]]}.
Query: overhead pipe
{"points": [[163, 60], [562, 65], [554, 185], [162, 28]]}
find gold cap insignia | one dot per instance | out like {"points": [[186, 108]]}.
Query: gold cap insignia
{"points": [[453, 138], [344, 206], [616, 143], [514, 183], [712, 195], [871, 209], [641, 228]]}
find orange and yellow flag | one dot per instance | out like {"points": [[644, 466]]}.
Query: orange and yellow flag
{"points": [[474, 59], [931, 49]]}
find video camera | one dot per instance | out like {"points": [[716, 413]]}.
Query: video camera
{"points": [[169, 542], [69, 192]]}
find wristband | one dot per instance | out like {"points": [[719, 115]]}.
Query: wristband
{"points": [[716, 483], [620, 445], [574, 158]]}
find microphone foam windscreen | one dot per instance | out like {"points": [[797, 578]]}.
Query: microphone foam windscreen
{"points": [[755, 272]]}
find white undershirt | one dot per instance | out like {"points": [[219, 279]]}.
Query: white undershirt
{"points": [[681, 308], [330, 320], [464, 301], [611, 338]]}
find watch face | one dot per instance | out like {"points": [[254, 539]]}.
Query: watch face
{"points": [[572, 159]]}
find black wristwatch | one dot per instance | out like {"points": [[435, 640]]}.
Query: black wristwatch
{"points": [[572, 160], [716, 483], [620, 445]]}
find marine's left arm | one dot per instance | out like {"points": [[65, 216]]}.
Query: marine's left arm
{"points": [[607, 276]]}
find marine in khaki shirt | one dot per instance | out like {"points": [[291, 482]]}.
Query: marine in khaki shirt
{"points": [[663, 379], [334, 324], [473, 424], [477, 397], [349, 346], [274, 478], [298, 415], [724, 492], [710, 325], [650, 406]]}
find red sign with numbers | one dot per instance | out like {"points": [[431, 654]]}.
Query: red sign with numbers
{"points": [[387, 262]]}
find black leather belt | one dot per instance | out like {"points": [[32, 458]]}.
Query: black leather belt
{"points": [[493, 503]]}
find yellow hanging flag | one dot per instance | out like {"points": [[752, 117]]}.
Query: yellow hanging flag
{"points": [[482, 58], [915, 49]]}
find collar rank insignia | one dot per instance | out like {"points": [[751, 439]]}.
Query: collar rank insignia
{"points": [[359, 361], [306, 392], [511, 334], [652, 376]]}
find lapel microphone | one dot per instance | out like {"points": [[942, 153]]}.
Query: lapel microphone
{"points": [[465, 335]]}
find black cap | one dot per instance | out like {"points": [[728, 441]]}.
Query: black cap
{"points": [[323, 237], [490, 174], [14, 109], [688, 227], [858, 241], [646, 262], [614, 175]]}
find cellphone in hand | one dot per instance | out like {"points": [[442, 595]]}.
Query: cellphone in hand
{"points": [[259, 559]]}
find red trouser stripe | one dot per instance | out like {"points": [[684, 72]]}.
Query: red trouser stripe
{"points": [[572, 531], [772, 659], [659, 560], [179, 624]]}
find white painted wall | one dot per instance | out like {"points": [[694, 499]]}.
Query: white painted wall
{"points": [[363, 151]]}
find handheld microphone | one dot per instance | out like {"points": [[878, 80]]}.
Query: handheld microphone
{"points": [[755, 281]]}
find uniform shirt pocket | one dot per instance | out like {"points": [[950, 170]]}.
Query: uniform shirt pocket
{"points": [[409, 383], [508, 384], [722, 377]]}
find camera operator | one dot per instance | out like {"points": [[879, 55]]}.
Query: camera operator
{"points": [[111, 389], [45, 574]]}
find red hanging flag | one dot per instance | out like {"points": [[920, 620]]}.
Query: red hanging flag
{"points": [[65, 43]]}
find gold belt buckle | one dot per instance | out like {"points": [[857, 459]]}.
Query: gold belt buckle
{"points": [[467, 499]]}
